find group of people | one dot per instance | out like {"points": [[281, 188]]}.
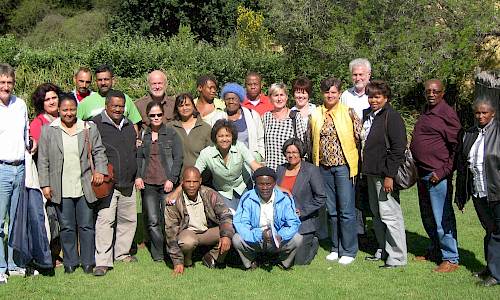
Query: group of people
{"points": [[242, 171]]}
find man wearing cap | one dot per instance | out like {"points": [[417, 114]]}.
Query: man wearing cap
{"points": [[266, 223], [247, 122]]}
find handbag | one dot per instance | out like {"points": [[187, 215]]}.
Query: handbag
{"points": [[104, 189], [407, 172]]}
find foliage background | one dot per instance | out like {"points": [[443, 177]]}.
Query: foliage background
{"points": [[407, 41]]}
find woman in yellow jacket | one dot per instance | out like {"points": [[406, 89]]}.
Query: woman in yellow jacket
{"points": [[335, 130]]}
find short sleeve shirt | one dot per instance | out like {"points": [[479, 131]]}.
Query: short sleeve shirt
{"points": [[94, 104]]}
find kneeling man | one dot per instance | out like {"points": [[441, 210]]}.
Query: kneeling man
{"points": [[198, 217], [266, 222]]}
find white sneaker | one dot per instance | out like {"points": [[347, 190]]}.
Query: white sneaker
{"points": [[332, 256], [21, 272], [345, 260], [3, 278]]}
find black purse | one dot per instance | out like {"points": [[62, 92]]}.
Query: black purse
{"points": [[407, 172]]}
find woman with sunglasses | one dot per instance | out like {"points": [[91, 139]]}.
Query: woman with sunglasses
{"points": [[159, 163]]}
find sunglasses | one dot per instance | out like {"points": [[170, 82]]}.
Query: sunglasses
{"points": [[156, 115]]}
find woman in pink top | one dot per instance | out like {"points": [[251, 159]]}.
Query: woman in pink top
{"points": [[45, 100]]}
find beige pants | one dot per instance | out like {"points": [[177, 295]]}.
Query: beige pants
{"points": [[188, 240], [122, 211]]}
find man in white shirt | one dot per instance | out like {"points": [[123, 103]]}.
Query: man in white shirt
{"points": [[14, 140], [356, 98]]}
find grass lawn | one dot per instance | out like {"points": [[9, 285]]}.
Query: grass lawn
{"points": [[320, 280]]}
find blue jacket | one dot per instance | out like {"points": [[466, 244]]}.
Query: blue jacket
{"points": [[247, 217]]}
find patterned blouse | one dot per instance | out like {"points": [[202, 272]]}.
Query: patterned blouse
{"points": [[276, 133], [330, 150]]}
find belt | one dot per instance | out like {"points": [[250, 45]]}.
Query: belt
{"points": [[12, 163]]}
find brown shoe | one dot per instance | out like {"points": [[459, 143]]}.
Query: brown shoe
{"points": [[100, 271], [428, 256], [446, 267]]}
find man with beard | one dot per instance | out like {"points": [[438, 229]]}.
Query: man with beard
{"points": [[95, 103], [82, 80], [357, 99]]}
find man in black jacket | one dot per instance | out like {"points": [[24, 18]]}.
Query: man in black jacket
{"points": [[118, 136]]}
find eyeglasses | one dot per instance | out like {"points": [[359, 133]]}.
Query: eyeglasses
{"points": [[292, 153], [435, 92], [156, 115]]}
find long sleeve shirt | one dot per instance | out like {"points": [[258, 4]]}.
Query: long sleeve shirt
{"points": [[435, 140]]}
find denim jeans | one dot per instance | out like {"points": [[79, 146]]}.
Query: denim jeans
{"points": [[341, 209], [11, 186], [153, 204], [438, 217]]}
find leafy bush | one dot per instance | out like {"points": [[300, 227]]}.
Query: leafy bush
{"points": [[181, 57], [80, 29]]}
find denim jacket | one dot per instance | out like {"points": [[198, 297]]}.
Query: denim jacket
{"points": [[171, 156]]}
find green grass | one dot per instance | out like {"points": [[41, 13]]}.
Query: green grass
{"points": [[320, 280]]}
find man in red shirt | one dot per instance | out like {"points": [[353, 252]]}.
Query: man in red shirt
{"points": [[255, 99], [434, 144], [82, 80]]}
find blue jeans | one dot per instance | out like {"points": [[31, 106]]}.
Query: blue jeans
{"points": [[341, 209], [11, 186], [438, 217]]}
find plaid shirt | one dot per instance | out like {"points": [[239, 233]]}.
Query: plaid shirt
{"points": [[276, 133]]}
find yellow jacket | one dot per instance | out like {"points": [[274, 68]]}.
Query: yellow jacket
{"points": [[344, 126]]}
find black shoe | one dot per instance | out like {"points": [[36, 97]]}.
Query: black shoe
{"points": [[388, 266], [489, 281], [208, 261], [88, 269], [69, 269], [100, 271], [253, 266], [482, 274], [372, 258], [282, 267]]}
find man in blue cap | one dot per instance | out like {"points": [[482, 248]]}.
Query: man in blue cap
{"points": [[266, 222]]}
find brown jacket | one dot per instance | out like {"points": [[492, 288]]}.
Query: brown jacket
{"points": [[177, 219]]}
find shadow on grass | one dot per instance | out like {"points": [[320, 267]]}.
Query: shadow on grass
{"points": [[417, 245]]}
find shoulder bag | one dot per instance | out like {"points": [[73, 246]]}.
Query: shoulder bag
{"points": [[407, 172], [106, 188]]}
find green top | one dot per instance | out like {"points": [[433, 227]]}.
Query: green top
{"points": [[71, 173], [226, 178], [193, 142], [94, 104]]}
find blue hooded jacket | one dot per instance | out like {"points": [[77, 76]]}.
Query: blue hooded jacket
{"points": [[247, 217]]}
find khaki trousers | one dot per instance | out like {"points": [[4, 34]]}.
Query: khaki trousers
{"points": [[188, 240], [122, 214]]}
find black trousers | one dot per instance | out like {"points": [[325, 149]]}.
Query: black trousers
{"points": [[75, 215], [153, 205], [489, 216]]}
